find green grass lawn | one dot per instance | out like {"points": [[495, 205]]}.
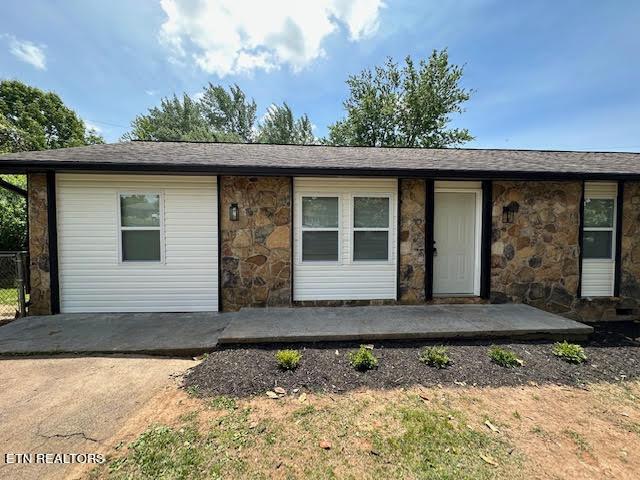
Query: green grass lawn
{"points": [[9, 296], [356, 436], [505, 433]]}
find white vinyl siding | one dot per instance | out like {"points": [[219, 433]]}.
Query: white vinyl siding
{"points": [[345, 279], [92, 276], [598, 274], [597, 278]]}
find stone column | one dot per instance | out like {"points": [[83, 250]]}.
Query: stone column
{"points": [[256, 249], [630, 278], [40, 294], [535, 259], [412, 260]]}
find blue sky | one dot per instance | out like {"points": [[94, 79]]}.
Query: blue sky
{"points": [[546, 74]]}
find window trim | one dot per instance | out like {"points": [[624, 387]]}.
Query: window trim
{"points": [[120, 228], [591, 286], [353, 229], [612, 229], [299, 217]]}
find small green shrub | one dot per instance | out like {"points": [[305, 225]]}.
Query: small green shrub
{"points": [[304, 411], [435, 356], [223, 403], [579, 439], [288, 359], [505, 358], [569, 352], [363, 359], [193, 390]]}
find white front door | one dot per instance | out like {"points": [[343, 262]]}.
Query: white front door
{"points": [[455, 234]]}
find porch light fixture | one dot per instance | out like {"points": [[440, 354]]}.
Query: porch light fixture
{"points": [[234, 212], [509, 212]]}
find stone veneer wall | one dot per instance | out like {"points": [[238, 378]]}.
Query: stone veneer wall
{"points": [[256, 249], [412, 233], [343, 303], [630, 272], [40, 293], [535, 259]]}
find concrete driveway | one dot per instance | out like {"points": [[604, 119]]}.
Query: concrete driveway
{"points": [[73, 405], [180, 334]]}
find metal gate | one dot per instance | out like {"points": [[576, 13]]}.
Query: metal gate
{"points": [[13, 285]]}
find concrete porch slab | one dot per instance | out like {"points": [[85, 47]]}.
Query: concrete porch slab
{"points": [[140, 333], [195, 333], [398, 323]]}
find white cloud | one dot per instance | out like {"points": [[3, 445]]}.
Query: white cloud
{"points": [[197, 96], [151, 93], [92, 126], [28, 52], [360, 16], [233, 36]]}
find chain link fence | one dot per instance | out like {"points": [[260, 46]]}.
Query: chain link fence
{"points": [[13, 285]]}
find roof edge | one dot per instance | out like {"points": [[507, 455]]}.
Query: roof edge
{"points": [[471, 149], [26, 166]]}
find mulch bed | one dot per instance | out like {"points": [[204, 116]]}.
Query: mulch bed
{"points": [[613, 355]]}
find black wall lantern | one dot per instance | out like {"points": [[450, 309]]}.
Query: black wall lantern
{"points": [[509, 212], [234, 212]]}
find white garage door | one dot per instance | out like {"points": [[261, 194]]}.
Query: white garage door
{"points": [[137, 243]]}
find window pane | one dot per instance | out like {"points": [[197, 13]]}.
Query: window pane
{"points": [[598, 212], [597, 244], [320, 212], [370, 212], [140, 210], [370, 245], [320, 246], [141, 245]]}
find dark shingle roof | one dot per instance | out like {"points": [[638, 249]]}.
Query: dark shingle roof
{"points": [[295, 159]]}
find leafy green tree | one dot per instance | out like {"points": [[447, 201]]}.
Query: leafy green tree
{"points": [[229, 113], [13, 215], [174, 119], [11, 138], [404, 107], [219, 115], [280, 126], [31, 119]]}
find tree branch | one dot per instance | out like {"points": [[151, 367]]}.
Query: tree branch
{"points": [[12, 188]]}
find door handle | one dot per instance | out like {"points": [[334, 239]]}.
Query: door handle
{"points": [[435, 250]]}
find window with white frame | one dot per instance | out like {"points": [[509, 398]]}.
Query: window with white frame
{"points": [[371, 228], [599, 228], [140, 227], [345, 238], [320, 228]]}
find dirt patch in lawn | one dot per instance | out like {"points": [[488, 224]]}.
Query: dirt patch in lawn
{"points": [[565, 432], [247, 370], [463, 432]]}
